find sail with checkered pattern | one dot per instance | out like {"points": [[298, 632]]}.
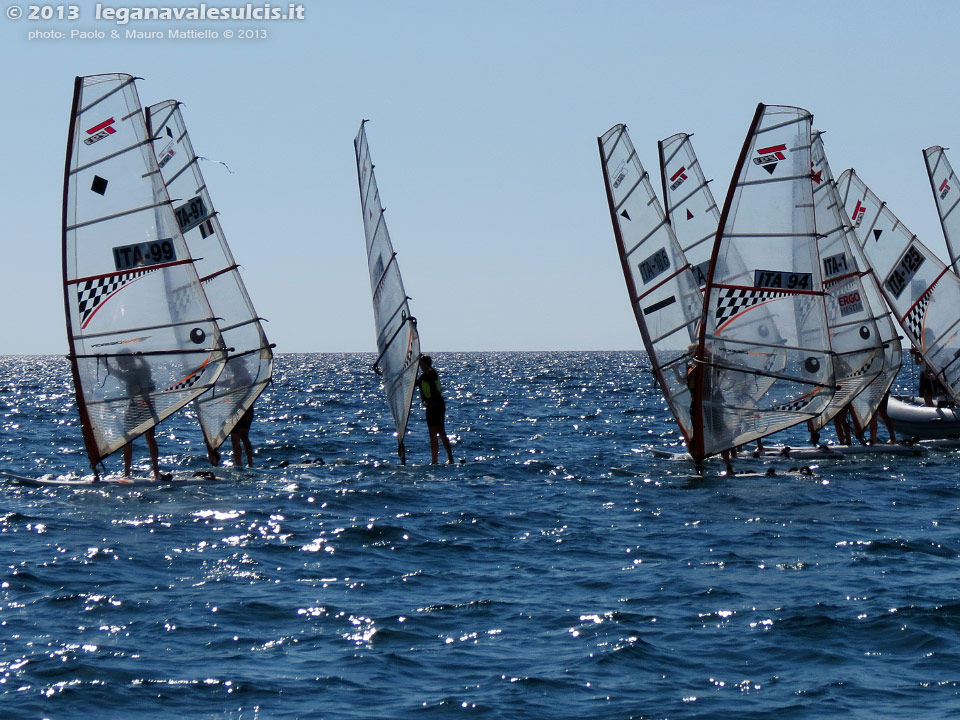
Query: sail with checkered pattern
{"points": [[688, 202], [143, 341], [862, 333], [946, 194], [249, 365], [398, 341], [664, 293], [922, 292], [763, 361]]}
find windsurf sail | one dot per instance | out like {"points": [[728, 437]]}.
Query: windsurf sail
{"points": [[859, 322], [398, 342], [763, 360], [922, 291], [249, 365], [946, 193], [688, 202], [664, 293], [142, 338]]}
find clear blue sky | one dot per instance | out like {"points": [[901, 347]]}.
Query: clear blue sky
{"points": [[484, 118]]}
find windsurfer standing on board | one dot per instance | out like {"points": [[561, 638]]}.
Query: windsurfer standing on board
{"points": [[240, 435], [134, 372], [429, 383]]}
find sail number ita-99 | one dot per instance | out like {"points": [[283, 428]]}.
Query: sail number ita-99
{"points": [[144, 254]]}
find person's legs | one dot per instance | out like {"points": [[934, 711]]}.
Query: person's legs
{"points": [[154, 452]]}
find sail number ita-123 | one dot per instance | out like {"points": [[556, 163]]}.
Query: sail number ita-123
{"points": [[144, 254], [657, 263], [904, 271], [784, 280]]}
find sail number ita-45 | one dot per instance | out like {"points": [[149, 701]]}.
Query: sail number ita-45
{"points": [[144, 254], [657, 263], [904, 271]]}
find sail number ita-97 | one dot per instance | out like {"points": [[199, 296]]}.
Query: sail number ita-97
{"points": [[904, 271], [144, 254], [657, 263], [191, 213]]}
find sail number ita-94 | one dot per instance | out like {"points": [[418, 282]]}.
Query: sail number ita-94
{"points": [[904, 271], [657, 263], [785, 280], [144, 254]]}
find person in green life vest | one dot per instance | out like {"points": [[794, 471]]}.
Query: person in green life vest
{"points": [[429, 384]]}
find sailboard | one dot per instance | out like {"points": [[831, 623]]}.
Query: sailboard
{"points": [[142, 338], [398, 342], [763, 358], [664, 293], [919, 288], [862, 334], [249, 366], [946, 194]]}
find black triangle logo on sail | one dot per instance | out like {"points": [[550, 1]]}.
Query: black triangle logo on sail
{"points": [[99, 185], [169, 132], [626, 215], [769, 157], [689, 214], [876, 235]]}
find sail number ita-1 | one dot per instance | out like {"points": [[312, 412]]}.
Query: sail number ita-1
{"points": [[144, 254], [784, 280], [191, 213], [904, 271], [654, 265]]}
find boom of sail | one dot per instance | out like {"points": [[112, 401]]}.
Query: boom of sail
{"points": [[922, 292], [664, 293], [143, 341], [946, 193], [398, 342], [763, 361], [249, 365]]}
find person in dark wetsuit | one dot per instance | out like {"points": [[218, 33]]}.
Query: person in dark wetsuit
{"points": [[134, 372], [240, 435], [429, 383]]}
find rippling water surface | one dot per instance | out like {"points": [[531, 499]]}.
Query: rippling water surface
{"points": [[561, 571]]}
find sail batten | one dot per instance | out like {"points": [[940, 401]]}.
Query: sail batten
{"points": [[398, 340], [249, 362]]}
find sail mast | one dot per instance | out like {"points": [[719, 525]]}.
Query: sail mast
{"points": [[398, 342]]}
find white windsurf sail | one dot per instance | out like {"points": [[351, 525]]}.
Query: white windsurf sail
{"points": [[946, 193], [143, 341], [688, 202], [664, 294], [249, 365], [763, 360], [398, 342], [923, 293], [860, 324]]}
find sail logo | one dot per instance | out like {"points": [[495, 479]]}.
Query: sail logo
{"points": [[620, 175], [100, 131], [166, 154], [858, 212], [677, 178], [850, 303], [768, 157], [944, 189]]}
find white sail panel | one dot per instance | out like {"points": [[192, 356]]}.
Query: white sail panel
{"points": [[923, 293], [664, 294], [143, 341], [688, 202], [855, 333], [398, 342], [249, 365], [946, 193], [764, 361]]}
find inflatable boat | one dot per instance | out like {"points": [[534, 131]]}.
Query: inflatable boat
{"points": [[912, 418]]}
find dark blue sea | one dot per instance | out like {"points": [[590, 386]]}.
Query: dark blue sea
{"points": [[560, 571]]}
